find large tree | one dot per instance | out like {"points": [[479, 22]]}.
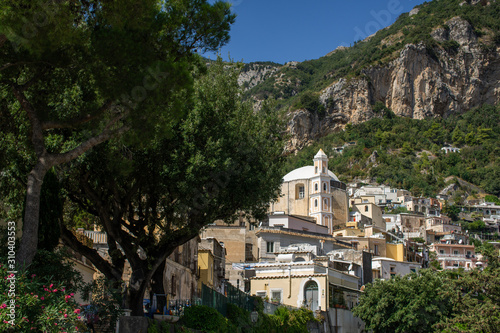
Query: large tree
{"points": [[75, 73], [413, 303], [435, 301], [223, 160]]}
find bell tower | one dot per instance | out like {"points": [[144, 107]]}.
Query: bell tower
{"points": [[321, 196]]}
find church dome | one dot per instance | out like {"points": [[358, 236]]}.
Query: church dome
{"points": [[306, 172]]}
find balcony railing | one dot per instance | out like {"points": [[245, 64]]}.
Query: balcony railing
{"points": [[96, 236], [461, 256]]}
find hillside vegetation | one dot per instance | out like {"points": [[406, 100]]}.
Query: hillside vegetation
{"points": [[310, 77], [406, 153]]}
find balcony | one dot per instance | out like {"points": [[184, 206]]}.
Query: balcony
{"points": [[461, 257], [96, 236]]}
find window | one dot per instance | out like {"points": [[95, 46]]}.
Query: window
{"points": [[455, 251], [323, 169], [325, 203], [413, 269], [172, 286], [366, 208], [261, 294], [316, 187], [270, 247], [315, 202], [300, 191], [441, 251], [376, 249], [315, 169], [276, 296], [324, 187]]}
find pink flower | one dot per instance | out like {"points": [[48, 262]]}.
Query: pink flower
{"points": [[51, 285], [42, 298], [77, 311], [3, 306], [55, 290], [65, 315]]}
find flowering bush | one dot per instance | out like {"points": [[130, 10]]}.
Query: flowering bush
{"points": [[33, 304]]}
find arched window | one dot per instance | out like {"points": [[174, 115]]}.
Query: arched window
{"points": [[324, 187], [315, 202], [316, 187]]}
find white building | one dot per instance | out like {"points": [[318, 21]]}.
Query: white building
{"points": [[450, 150], [383, 195], [386, 268]]}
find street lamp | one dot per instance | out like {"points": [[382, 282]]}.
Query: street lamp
{"points": [[254, 316]]}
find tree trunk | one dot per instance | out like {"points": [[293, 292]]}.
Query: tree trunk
{"points": [[135, 297], [29, 240], [157, 281]]}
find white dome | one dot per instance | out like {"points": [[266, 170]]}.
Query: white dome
{"points": [[306, 172]]}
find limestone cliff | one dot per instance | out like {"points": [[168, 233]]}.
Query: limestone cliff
{"points": [[456, 76], [255, 73]]}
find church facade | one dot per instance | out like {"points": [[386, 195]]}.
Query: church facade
{"points": [[316, 192]]}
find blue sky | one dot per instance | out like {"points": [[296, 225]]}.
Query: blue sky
{"points": [[293, 30]]}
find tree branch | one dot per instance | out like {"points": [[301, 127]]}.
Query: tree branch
{"points": [[46, 125], [3, 39], [101, 264], [36, 126], [105, 135]]}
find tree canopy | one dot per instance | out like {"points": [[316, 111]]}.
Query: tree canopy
{"points": [[435, 301], [222, 160], [74, 74]]}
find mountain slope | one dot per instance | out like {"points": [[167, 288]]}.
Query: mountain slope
{"points": [[441, 60]]}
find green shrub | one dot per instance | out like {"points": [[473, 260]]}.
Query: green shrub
{"points": [[204, 318], [292, 321], [239, 318]]}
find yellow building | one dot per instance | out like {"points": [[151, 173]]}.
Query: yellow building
{"points": [[395, 251], [296, 279], [205, 268]]}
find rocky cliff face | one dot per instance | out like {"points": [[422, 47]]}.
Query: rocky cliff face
{"points": [[418, 84], [255, 73]]}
